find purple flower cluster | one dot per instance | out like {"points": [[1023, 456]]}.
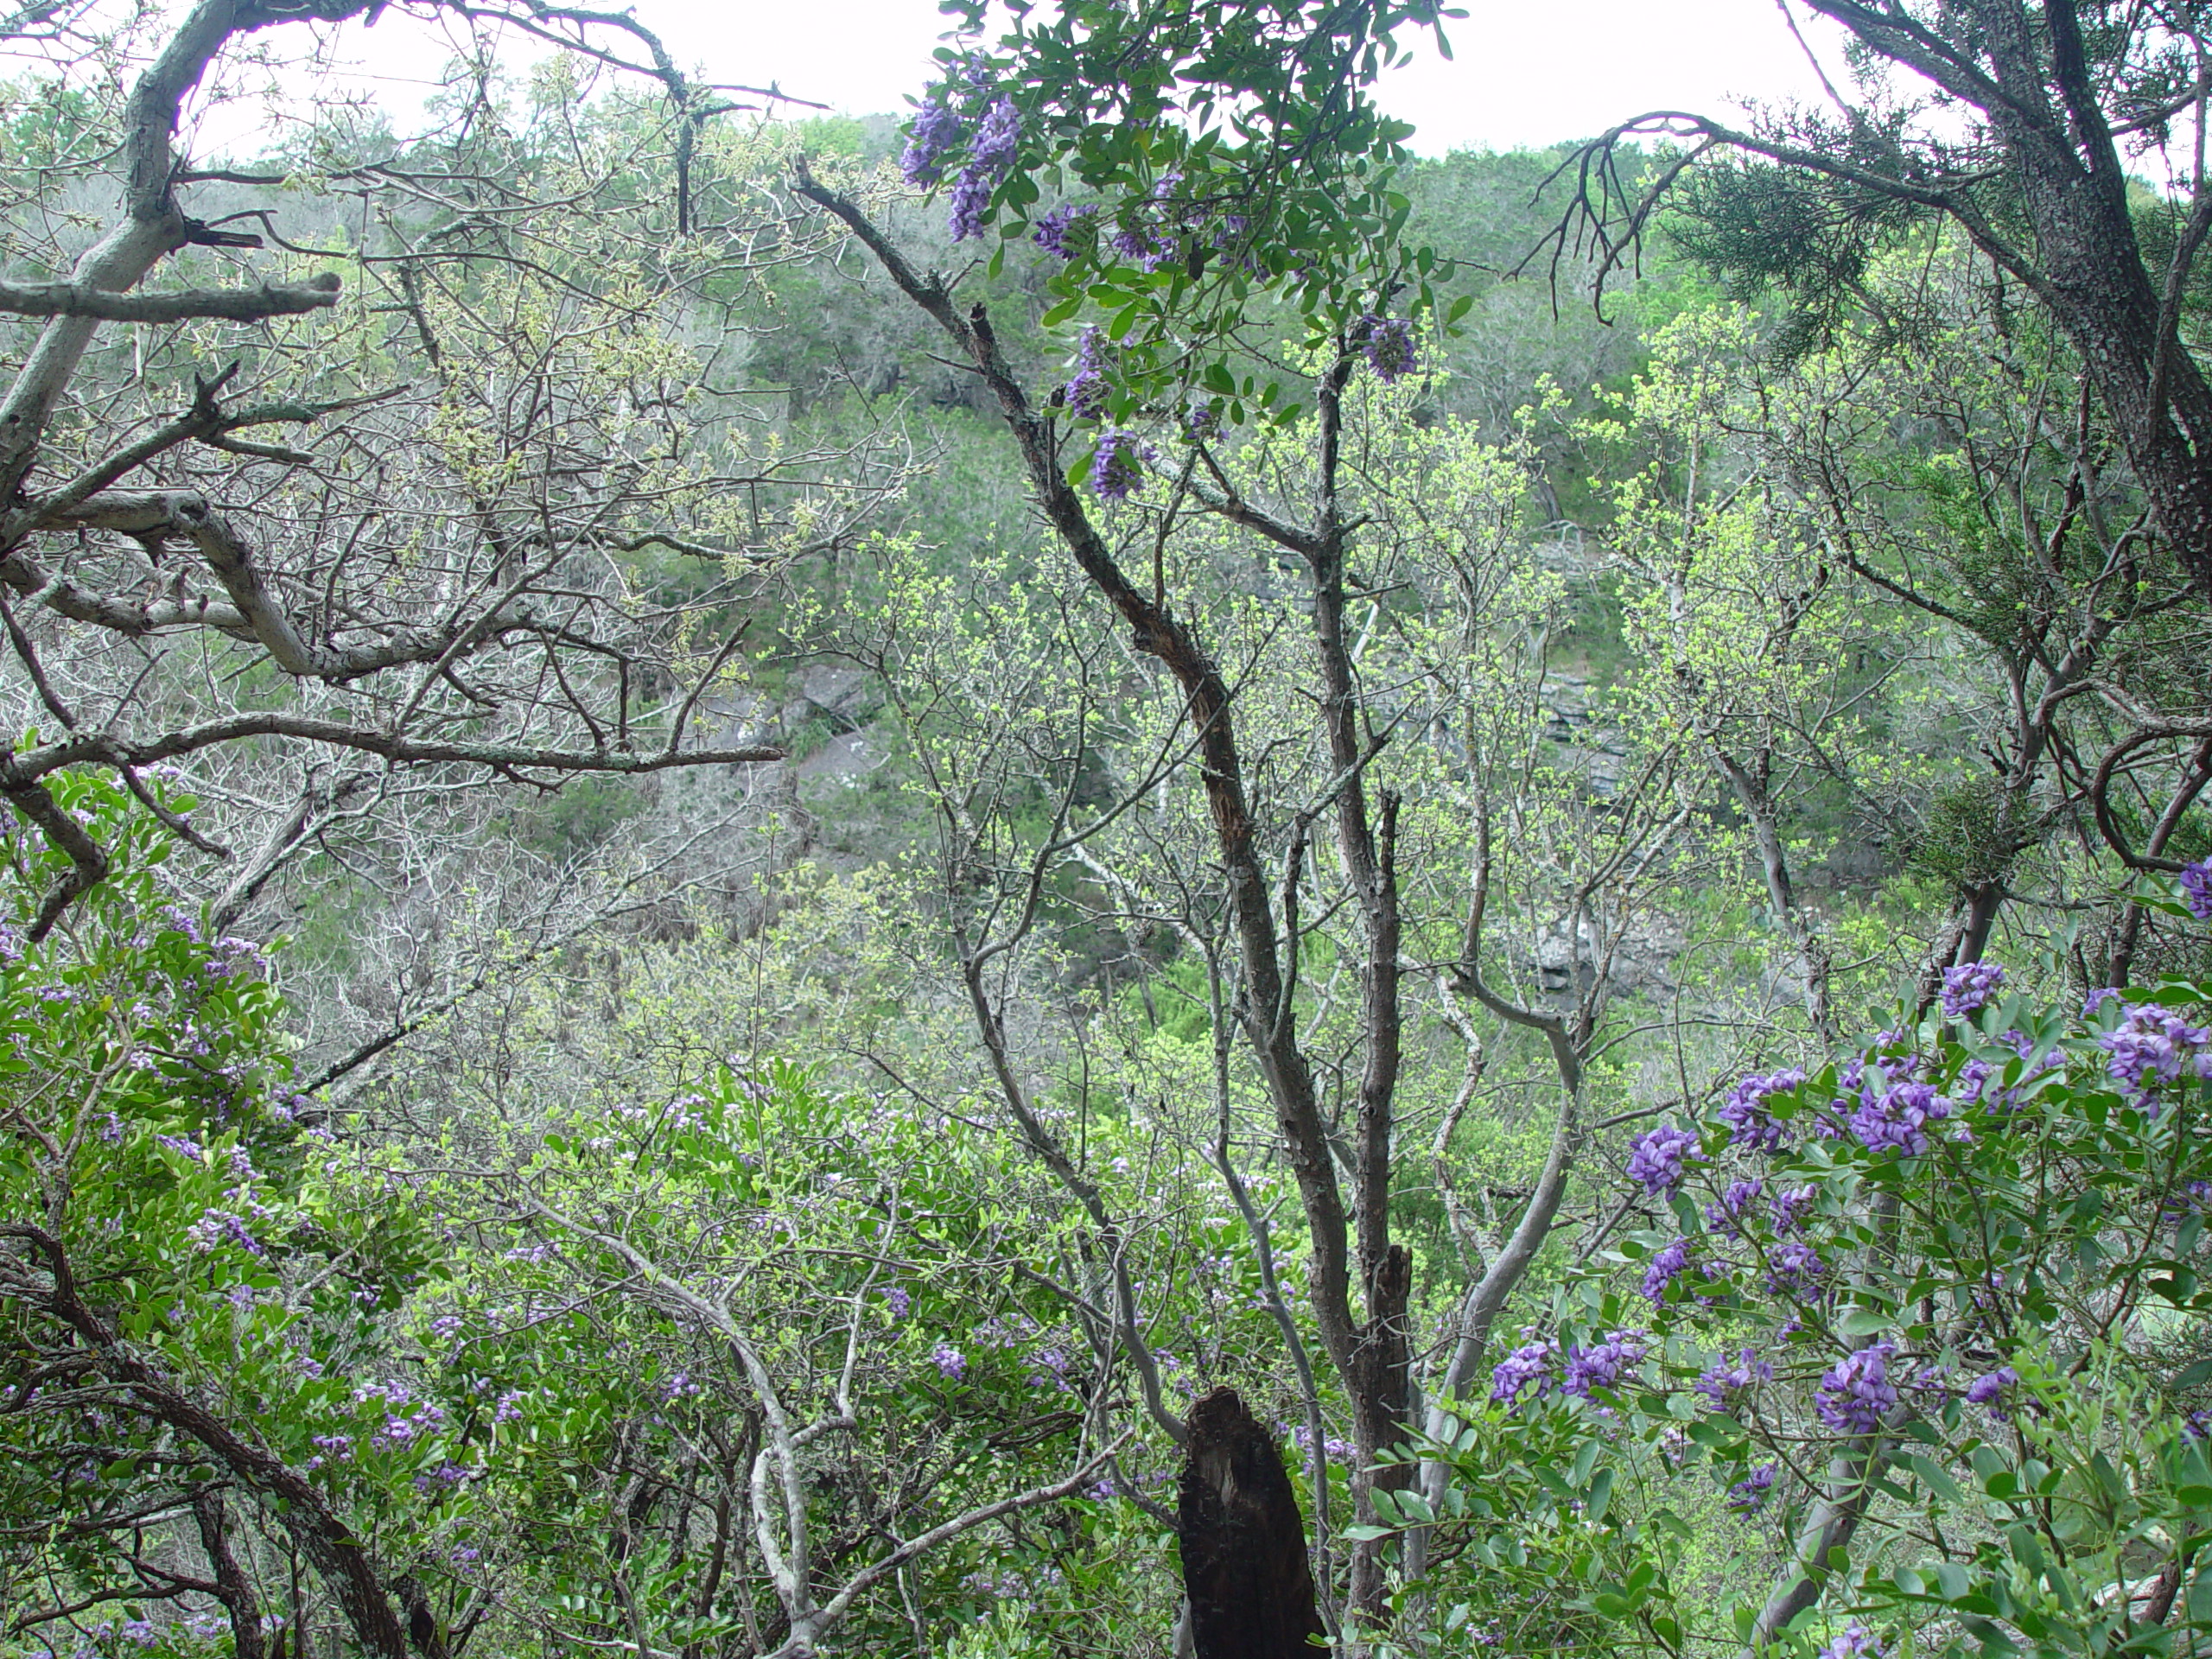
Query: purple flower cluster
{"points": [[937, 130], [1856, 1393], [1968, 986], [1898, 1118], [1993, 1391], [1085, 392], [216, 1228], [447, 1473], [1118, 465], [1389, 344], [1749, 1494], [1720, 1383], [1146, 234], [2151, 1048], [1745, 1110], [1659, 1158], [949, 1361], [1527, 1367], [1793, 1271], [1726, 1216], [1973, 1080], [2197, 888], [1602, 1365], [1051, 231], [989, 156], [1855, 1643], [1789, 1206], [1664, 1268], [402, 1425], [1137, 243], [1202, 422], [2194, 1198]]}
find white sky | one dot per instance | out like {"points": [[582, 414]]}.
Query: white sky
{"points": [[1527, 73]]}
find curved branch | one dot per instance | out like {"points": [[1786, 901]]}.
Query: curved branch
{"points": [[339, 1557]]}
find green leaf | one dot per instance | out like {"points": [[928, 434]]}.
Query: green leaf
{"points": [[1601, 1496]]}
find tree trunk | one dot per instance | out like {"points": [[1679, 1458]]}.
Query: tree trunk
{"points": [[1245, 1568]]}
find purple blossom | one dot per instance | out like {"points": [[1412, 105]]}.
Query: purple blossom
{"points": [[896, 1298], [447, 1473], [1789, 1206], [1529, 1367], [1664, 1268], [935, 130], [1136, 243], [1993, 1391], [1726, 1216], [1603, 1364], [2197, 888], [1389, 343], [219, 1227], [1855, 1643], [508, 1406], [950, 1360], [971, 194], [1794, 1270], [1085, 392], [1052, 232], [1856, 1392], [2195, 1198], [2096, 1000], [1202, 422], [2151, 1048], [1745, 1110], [1658, 1158], [1898, 1118], [998, 138], [1749, 1494], [988, 156], [1973, 1079], [1968, 986], [1118, 465], [1718, 1383]]}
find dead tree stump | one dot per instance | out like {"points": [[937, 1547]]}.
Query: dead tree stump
{"points": [[1244, 1566]]}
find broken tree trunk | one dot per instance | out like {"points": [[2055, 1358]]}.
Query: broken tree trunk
{"points": [[1244, 1566]]}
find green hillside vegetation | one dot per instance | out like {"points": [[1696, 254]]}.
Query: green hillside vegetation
{"points": [[735, 844]]}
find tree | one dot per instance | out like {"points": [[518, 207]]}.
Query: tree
{"points": [[2022, 138], [1931, 1313], [1316, 494], [513, 552]]}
